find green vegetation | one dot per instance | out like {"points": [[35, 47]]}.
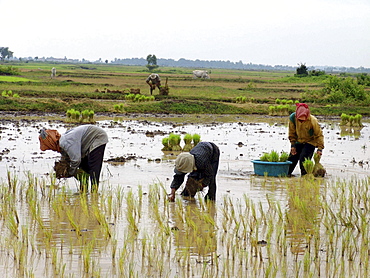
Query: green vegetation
{"points": [[172, 142], [351, 120], [274, 156], [100, 87], [77, 116], [9, 94], [319, 228]]}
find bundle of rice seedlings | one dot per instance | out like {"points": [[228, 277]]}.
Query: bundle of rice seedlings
{"points": [[174, 142], [308, 166], [187, 139], [358, 120], [265, 157], [165, 144], [193, 186], [274, 156], [61, 168], [344, 119], [318, 170], [196, 139], [283, 157]]}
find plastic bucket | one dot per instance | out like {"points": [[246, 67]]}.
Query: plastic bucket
{"points": [[272, 169]]}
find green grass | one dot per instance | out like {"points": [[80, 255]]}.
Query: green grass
{"points": [[14, 79], [88, 85]]}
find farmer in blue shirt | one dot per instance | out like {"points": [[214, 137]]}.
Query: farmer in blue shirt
{"points": [[202, 164]]}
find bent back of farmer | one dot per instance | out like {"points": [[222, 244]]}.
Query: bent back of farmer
{"points": [[202, 164]]}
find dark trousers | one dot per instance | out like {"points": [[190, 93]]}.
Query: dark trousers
{"points": [[303, 151], [92, 164]]}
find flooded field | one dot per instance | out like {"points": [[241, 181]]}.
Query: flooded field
{"points": [[255, 228]]}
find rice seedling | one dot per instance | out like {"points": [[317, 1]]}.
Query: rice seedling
{"points": [[196, 139], [174, 142], [188, 138], [273, 157], [308, 166], [283, 157], [118, 107], [166, 146]]}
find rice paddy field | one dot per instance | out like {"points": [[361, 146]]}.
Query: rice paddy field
{"points": [[257, 227]]}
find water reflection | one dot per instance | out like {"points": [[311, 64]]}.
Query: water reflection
{"points": [[350, 131], [194, 228], [303, 213]]}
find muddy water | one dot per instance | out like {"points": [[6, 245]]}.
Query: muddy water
{"points": [[346, 154]]}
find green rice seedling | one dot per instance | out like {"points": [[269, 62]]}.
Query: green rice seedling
{"points": [[351, 120], [290, 102], [284, 157], [277, 101], [308, 166], [166, 146], [174, 142], [85, 115], [91, 115], [196, 139], [188, 138], [358, 120], [272, 110], [274, 156], [100, 217], [344, 119]]}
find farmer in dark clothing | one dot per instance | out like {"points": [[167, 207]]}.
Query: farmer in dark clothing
{"points": [[305, 135], [202, 164], [82, 146]]}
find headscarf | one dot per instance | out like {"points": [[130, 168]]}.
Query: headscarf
{"points": [[302, 111], [185, 163], [49, 140]]}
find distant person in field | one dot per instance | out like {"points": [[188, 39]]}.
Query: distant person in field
{"points": [[153, 81], [305, 135], [53, 73], [82, 146], [202, 164]]}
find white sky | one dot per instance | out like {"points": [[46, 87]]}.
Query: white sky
{"points": [[270, 32]]}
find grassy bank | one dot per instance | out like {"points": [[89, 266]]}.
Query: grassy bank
{"points": [[100, 87]]}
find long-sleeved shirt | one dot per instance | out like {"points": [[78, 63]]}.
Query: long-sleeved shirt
{"points": [[308, 131], [205, 155], [77, 142]]}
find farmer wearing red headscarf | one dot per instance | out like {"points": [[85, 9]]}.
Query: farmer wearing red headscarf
{"points": [[83, 146], [305, 135]]}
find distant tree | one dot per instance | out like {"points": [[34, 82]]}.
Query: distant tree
{"points": [[5, 53], [106, 61], [302, 70], [36, 58], [152, 62]]}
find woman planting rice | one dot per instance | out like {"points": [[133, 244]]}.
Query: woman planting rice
{"points": [[202, 164], [305, 135], [82, 147]]}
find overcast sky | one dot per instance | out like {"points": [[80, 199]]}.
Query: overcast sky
{"points": [[270, 32]]}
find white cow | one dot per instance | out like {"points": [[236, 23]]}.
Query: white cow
{"points": [[53, 72], [201, 74]]}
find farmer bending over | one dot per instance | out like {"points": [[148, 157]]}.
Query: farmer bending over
{"points": [[83, 146], [153, 81], [305, 135], [202, 164]]}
